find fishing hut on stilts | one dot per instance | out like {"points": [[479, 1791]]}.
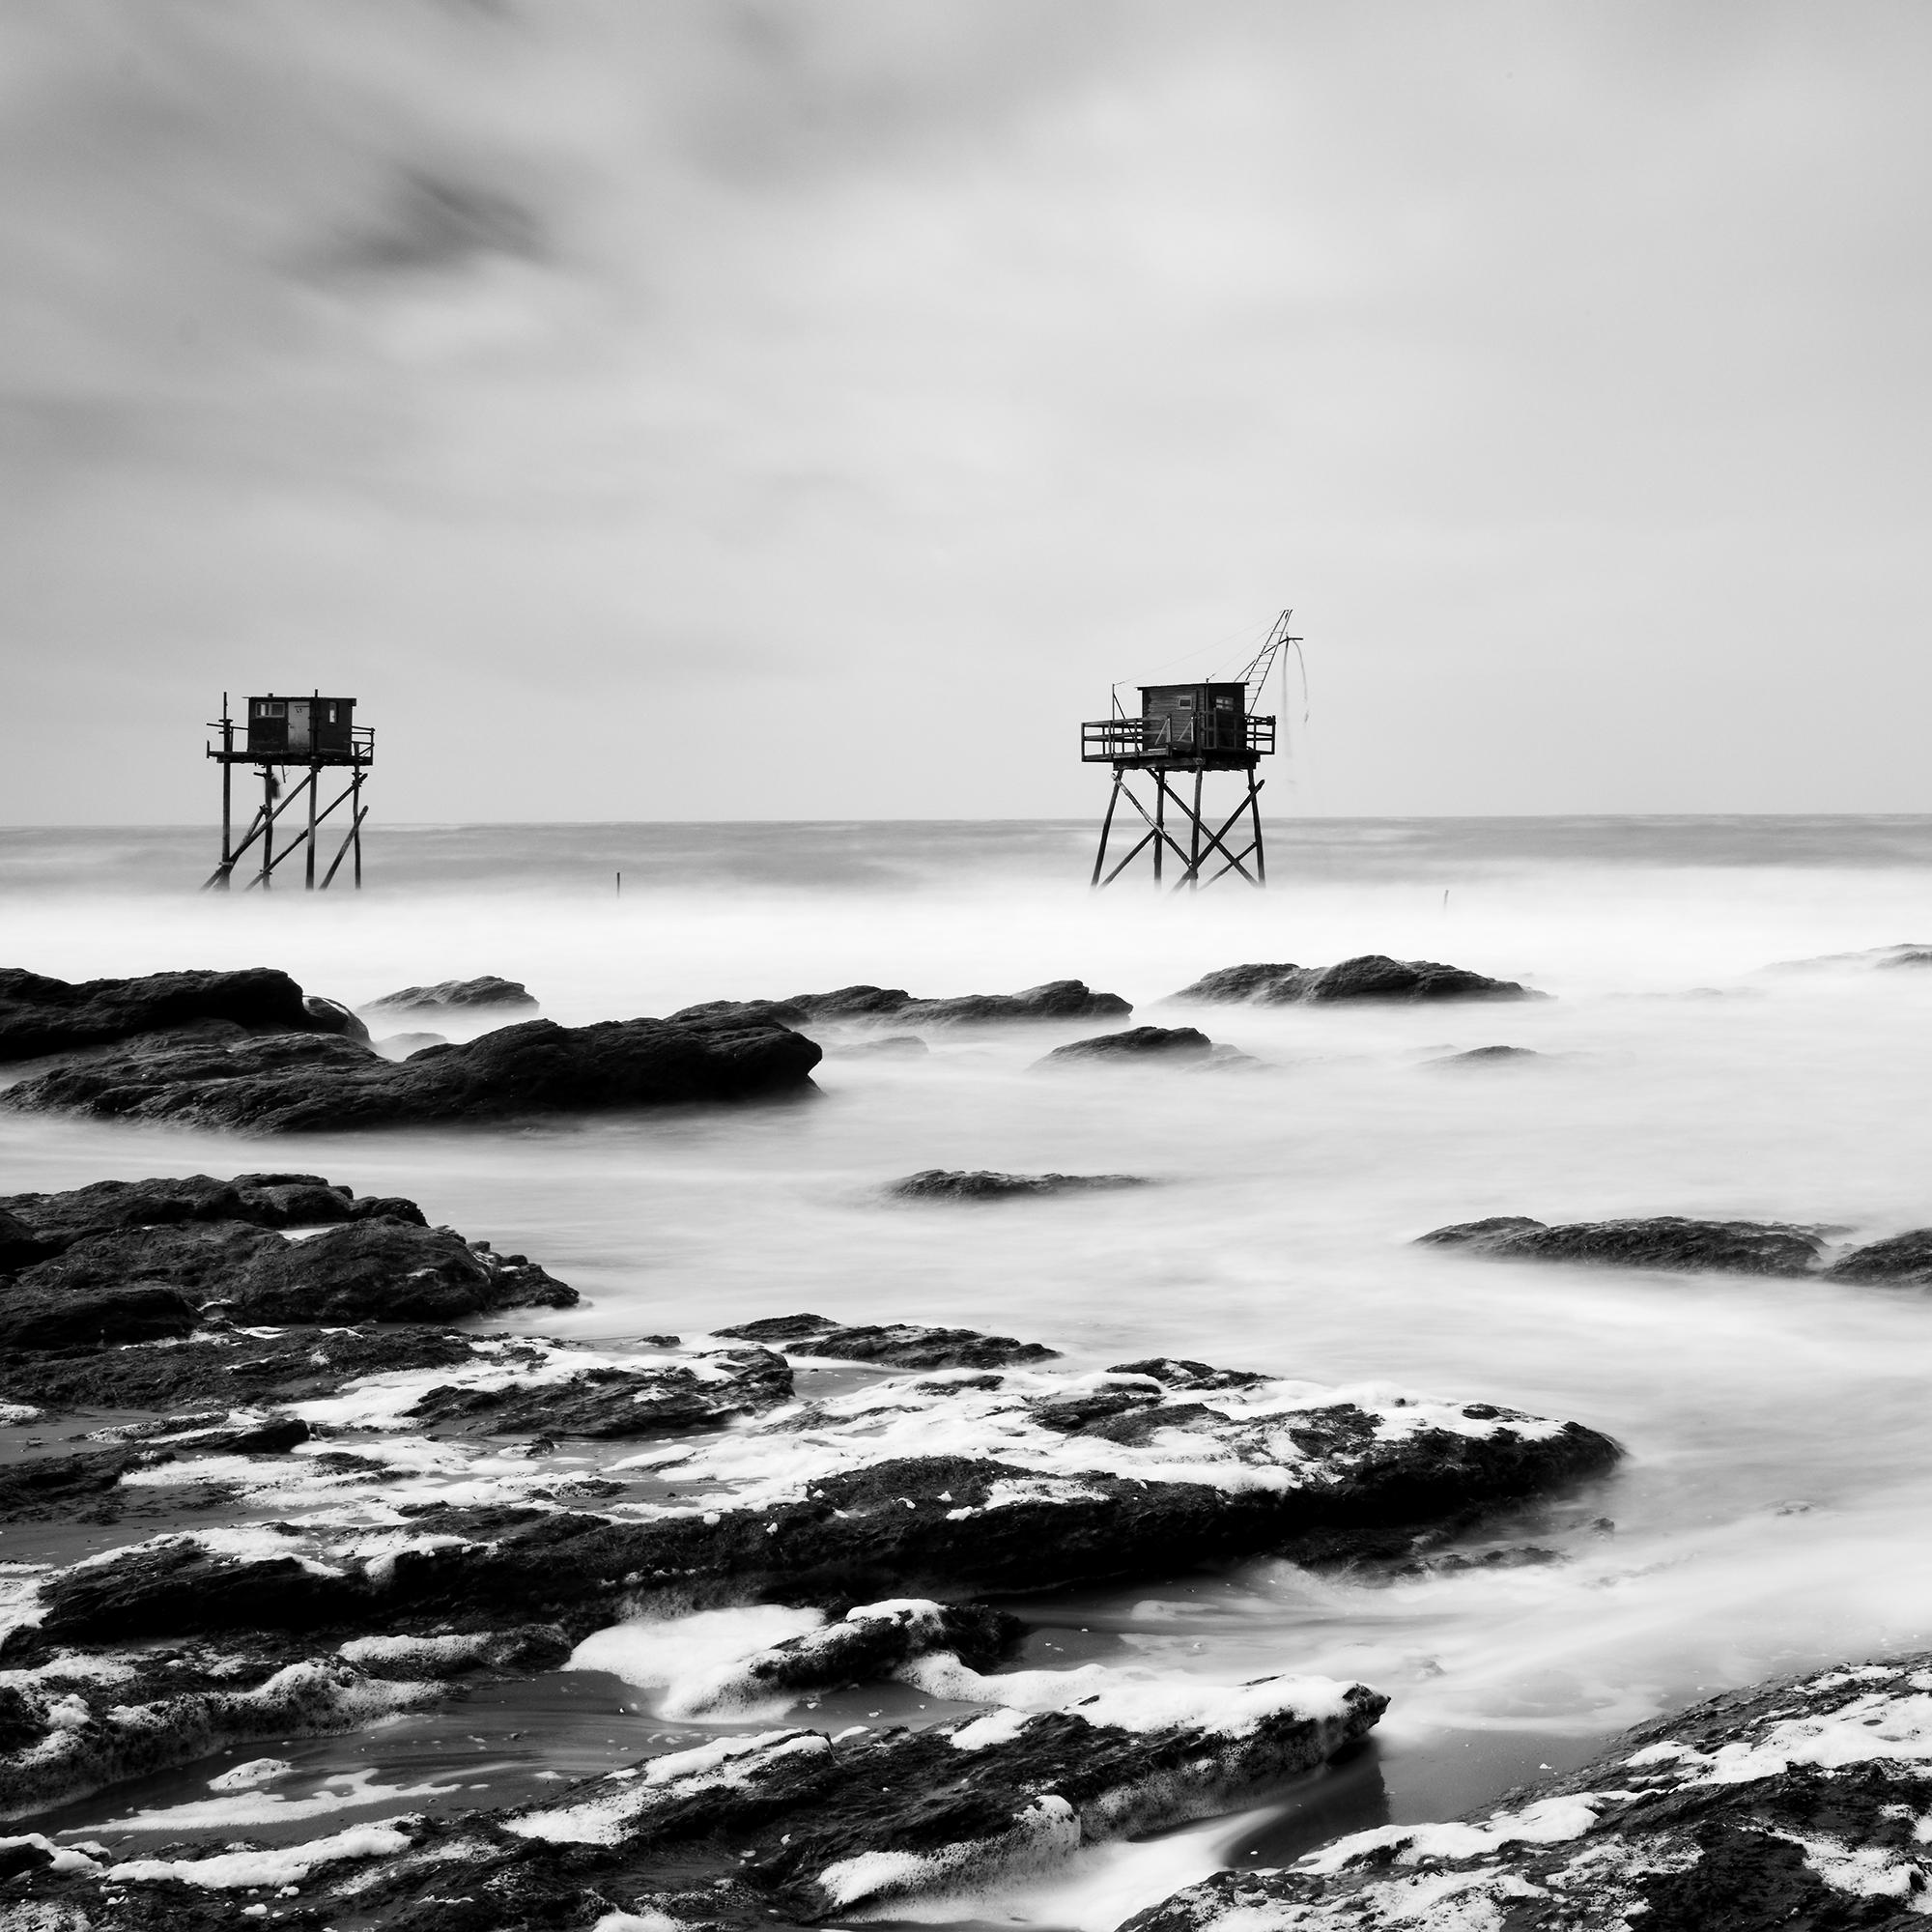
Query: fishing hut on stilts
{"points": [[1183, 730], [308, 736]]}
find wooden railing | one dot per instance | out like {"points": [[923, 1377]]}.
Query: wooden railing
{"points": [[1204, 734]]}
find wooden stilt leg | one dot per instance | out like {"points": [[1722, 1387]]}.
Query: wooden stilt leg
{"points": [[1194, 841], [268, 827], [1106, 826], [308, 861], [1159, 824]]}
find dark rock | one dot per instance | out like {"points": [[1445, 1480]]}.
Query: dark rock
{"points": [[226, 1367], [201, 1258], [264, 1200], [318, 1082], [20, 1245], [1906, 1259], [1663, 1241], [941, 1183], [454, 996], [890, 1047], [847, 1002], [1373, 975], [780, 1329], [1178, 1373], [799, 1827], [39, 1015], [1790, 1805], [871, 1642], [384, 1270], [332, 1017], [42, 1488], [33, 1319], [1488, 1056], [743, 1012], [906, 1344], [613, 1402], [1142, 1042], [944, 1526], [1055, 1000]]}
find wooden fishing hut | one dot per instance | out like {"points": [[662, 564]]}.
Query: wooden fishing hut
{"points": [[1189, 730], [308, 736]]}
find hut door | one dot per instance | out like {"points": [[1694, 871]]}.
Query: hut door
{"points": [[298, 732]]}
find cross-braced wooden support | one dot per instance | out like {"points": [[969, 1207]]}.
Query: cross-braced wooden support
{"points": [[271, 812], [1205, 841]]}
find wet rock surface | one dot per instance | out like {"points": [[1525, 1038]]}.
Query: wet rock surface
{"points": [[791, 1825], [41, 1015], [1373, 975], [330, 1526], [944, 1183], [291, 1083], [1798, 1803], [484, 994], [131, 1260], [1673, 1242], [898, 1345]]}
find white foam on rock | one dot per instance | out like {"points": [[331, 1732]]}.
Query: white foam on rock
{"points": [[606, 1818], [697, 1661], [1547, 1822], [385, 1400], [251, 1775], [347, 1791], [65, 1857], [1131, 1700], [432, 1655], [1250, 1446], [284, 1864]]}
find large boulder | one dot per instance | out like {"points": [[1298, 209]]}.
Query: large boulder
{"points": [[1791, 1805], [1661, 1241], [39, 1015], [453, 996], [385, 1271], [1369, 977], [321, 1083]]}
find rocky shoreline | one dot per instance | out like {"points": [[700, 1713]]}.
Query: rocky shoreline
{"points": [[267, 1473]]}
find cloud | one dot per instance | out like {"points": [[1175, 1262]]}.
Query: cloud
{"points": [[701, 392]]}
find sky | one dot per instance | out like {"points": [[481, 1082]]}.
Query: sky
{"points": [[714, 408]]}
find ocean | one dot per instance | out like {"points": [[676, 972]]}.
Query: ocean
{"points": [[1773, 1508]]}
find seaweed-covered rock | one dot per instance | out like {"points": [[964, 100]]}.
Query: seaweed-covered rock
{"points": [[288, 1083], [39, 1015], [1662, 1241], [1372, 975], [1905, 1258], [941, 1184], [483, 994], [1789, 1804]]}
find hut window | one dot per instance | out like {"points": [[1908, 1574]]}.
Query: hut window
{"points": [[1186, 703]]}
